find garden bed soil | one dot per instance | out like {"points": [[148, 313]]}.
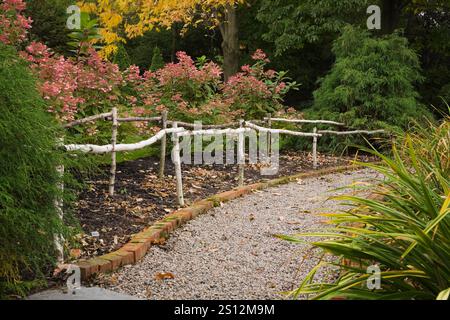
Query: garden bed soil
{"points": [[142, 198]]}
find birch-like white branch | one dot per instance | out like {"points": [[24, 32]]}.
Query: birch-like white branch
{"points": [[343, 133], [307, 121], [209, 126], [91, 148], [137, 119], [203, 126], [88, 119], [211, 132], [281, 131]]}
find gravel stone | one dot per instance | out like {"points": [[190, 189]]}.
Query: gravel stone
{"points": [[231, 252]]}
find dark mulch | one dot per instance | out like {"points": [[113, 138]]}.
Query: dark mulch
{"points": [[142, 198]]}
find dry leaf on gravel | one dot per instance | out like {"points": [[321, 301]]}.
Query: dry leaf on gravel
{"points": [[75, 253], [164, 276]]}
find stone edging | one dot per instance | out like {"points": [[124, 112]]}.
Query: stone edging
{"points": [[137, 247]]}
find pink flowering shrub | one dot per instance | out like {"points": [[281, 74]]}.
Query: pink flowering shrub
{"points": [[73, 86], [196, 91], [79, 87], [256, 91], [184, 88], [13, 24]]}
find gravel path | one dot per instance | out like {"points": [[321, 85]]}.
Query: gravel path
{"points": [[230, 252]]}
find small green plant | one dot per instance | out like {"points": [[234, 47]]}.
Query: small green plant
{"points": [[157, 60], [405, 232], [83, 39], [121, 57]]}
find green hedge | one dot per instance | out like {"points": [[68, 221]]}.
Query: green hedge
{"points": [[28, 178]]}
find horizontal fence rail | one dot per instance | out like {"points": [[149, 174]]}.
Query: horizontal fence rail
{"points": [[137, 119], [203, 126], [89, 119], [91, 148], [209, 126], [179, 130], [211, 132], [281, 131], [343, 133], [305, 121]]}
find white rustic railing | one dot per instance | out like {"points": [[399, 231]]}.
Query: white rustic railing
{"points": [[178, 130]]}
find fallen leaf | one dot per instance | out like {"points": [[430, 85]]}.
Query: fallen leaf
{"points": [[148, 292], [159, 241], [164, 276], [75, 253], [293, 222], [113, 279]]}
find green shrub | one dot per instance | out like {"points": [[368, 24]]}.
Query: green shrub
{"points": [[28, 178], [371, 85], [121, 58], [157, 60], [406, 233]]}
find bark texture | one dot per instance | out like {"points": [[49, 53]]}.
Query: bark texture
{"points": [[229, 29]]}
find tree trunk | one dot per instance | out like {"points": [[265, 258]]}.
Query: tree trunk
{"points": [[229, 29], [390, 15], [174, 43]]}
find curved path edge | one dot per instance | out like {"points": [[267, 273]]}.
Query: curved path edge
{"points": [[137, 247]]}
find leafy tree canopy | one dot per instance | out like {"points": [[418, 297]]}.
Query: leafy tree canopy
{"points": [[294, 23], [131, 18]]}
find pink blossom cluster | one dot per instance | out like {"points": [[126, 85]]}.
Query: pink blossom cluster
{"points": [[243, 84], [182, 87], [260, 55], [13, 24], [133, 75], [185, 69], [69, 84]]}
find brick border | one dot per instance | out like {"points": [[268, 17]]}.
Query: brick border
{"points": [[137, 247]]}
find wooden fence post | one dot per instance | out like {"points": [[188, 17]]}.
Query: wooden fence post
{"points": [[59, 206], [241, 154], [269, 138], [112, 178], [315, 149], [162, 159], [177, 162]]}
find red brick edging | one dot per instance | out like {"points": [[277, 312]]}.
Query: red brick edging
{"points": [[139, 244]]}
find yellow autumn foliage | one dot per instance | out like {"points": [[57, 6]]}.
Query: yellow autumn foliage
{"points": [[132, 18]]}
